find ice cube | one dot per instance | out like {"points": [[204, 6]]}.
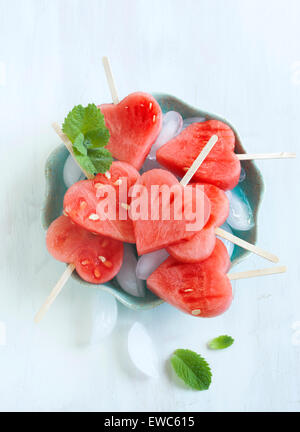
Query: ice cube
{"points": [[229, 245], [188, 121], [142, 351], [72, 173], [172, 125], [104, 315], [127, 277], [240, 213], [149, 262]]}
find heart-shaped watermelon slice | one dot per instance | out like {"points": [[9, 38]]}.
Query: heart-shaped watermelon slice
{"points": [[97, 258], [153, 233], [202, 244], [221, 167], [134, 124], [82, 199], [202, 289]]}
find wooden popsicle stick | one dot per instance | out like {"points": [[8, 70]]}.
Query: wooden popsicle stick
{"points": [[282, 155], [110, 80], [256, 273], [54, 293], [245, 245], [262, 156], [198, 161], [68, 144]]}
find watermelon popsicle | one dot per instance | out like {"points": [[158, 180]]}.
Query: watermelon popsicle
{"points": [[97, 259], [200, 289], [134, 124], [222, 166], [154, 233], [83, 198]]}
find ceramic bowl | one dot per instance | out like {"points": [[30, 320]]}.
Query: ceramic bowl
{"points": [[252, 186]]}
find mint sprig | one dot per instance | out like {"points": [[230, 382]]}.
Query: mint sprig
{"points": [[192, 369], [85, 127], [220, 342]]}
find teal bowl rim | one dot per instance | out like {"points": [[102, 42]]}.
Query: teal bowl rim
{"points": [[167, 103]]}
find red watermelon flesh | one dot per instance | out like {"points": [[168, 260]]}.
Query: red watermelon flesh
{"points": [[82, 198], [220, 168], [201, 289], [97, 258], [134, 124], [151, 234], [202, 244]]}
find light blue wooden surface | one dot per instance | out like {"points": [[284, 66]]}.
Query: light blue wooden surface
{"points": [[239, 59]]}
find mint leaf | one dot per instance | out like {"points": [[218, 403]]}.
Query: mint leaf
{"points": [[89, 121], [101, 159], [97, 137], [85, 162], [220, 342], [79, 146], [192, 369], [86, 129], [72, 125]]}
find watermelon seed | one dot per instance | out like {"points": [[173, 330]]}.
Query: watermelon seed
{"points": [[196, 312], [99, 185], [104, 243], [188, 290], [154, 118], [125, 206], [150, 105], [83, 204], [84, 262], [105, 261], [118, 182], [93, 217], [185, 168], [97, 273]]}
